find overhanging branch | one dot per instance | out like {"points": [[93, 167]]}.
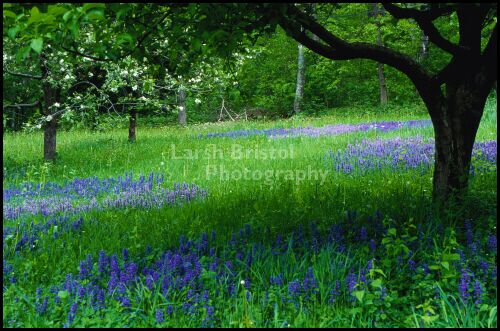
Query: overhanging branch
{"points": [[335, 48], [424, 20], [296, 24]]}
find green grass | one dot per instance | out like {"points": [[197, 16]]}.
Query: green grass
{"points": [[279, 204]]}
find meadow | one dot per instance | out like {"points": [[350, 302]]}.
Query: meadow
{"points": [[306, 222]]}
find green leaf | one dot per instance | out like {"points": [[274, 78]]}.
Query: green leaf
{"points": [[57, 10], [63, 294], [451, 257], [12, 32], [380, 272], [359, 295], [125, 38], [34, 11], [95, 14], [8, 13], [391, 231], [67, 16], [377, 283], [446, 265], [89, 6], [23, 53], [37, 45]]}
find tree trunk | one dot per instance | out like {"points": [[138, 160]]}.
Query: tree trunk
{"points": [[383, 87], [299, 90], [182, 106], [49, 140], [380, 66], [132, 124], [424, 47], [455, 128], [50, 96]]}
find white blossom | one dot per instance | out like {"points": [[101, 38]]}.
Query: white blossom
{"points": [[49, 118], [197, 101]]}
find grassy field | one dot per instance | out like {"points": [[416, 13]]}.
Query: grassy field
{"points": [[344, 250]]}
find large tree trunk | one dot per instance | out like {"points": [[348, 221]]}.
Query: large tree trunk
{"points": [[132, 125], [455, 127], [299, 90], [182, 106]]}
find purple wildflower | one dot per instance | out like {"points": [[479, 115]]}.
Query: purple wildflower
{"points": [[351, 281], [464, 285], [159, 316], [492, 243], [335, 292], [478, 291]]}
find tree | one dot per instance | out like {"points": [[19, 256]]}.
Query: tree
{"points": [[299, 91], [454, 96], [376, 11]]}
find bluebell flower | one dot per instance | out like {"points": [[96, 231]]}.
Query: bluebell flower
{"points": [[463, 285], [478, 292], [492, 243], [335, 292], [72, 312], [159, 316]]}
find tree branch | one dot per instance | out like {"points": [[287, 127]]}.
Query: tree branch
{"points": [[104, 59], [337, 49], [22, 105], [424, 20], [430, 14], [489, 60], [18, 74]]}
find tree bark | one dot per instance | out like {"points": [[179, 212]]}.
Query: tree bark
{"points": [[51, 95], [380, 66], [383, 87], [182, 106], [49, 140], [299, 90], [132, 125], [455, 128], [424, 48]]}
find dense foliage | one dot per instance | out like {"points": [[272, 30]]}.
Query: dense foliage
{"points": [[262, 75]]}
